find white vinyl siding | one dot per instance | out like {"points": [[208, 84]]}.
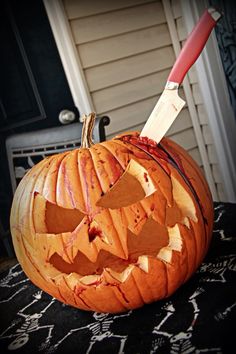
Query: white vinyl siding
{"points": [[126, 52]]}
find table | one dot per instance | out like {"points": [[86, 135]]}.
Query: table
{"points": [[198, 318]]}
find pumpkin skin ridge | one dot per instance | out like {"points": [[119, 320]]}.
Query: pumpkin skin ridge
{"points": [[125, 250], [83, 294], [51, 177], [138, 289], [96, 151], [116, 288], [89, 307], [67, 187], [90, 203], [81, 172], [108, 146], [95, 169], [62, 170], [78, 305], [82, 206], [39, 186], [124, 304], [76, 296]]}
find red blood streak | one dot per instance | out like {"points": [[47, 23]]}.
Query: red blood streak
{"points": [[145, 175], [93, 233]]}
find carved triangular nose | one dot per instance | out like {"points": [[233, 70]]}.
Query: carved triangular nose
{"points": [[94, 230]]}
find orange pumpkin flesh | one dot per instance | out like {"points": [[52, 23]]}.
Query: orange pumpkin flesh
{"points": [[114, 226]]}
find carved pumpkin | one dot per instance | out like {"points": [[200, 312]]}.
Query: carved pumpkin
{"points": [[113, 226]]}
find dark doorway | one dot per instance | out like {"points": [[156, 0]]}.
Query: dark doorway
{"points": [[34, 88]]}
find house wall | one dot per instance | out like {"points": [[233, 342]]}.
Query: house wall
{"points": [[126, 52]]}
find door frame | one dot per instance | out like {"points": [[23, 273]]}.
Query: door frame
{"points": [[213, 85], [69, 56]]}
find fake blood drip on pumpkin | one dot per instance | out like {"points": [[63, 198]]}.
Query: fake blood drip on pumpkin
{"points": [[94, 232]]}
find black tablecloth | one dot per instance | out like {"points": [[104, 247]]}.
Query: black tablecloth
{"points": [[198, 318]]}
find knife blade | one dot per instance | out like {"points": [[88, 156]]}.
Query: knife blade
{"points": [[170, 103]]}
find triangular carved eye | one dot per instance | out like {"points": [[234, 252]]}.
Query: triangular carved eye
{"points": [[51, 218], [134, 185]]}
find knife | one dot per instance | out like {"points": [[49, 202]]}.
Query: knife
{"points": [[170, 104]]}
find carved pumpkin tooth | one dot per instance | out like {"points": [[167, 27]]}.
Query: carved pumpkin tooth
{"points": [[57, 278], [186, 222], [91, 279], [165, 254], [49, 244], [175, 243], [183, 199], [122, 276], [142, 263], [175, 239], [53, 273], [59, 247], [72, 280], [141, 174]]}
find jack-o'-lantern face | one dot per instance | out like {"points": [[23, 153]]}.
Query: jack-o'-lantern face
{"points": [[111, 227]]}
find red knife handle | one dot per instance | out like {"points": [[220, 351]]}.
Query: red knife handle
{"points": [[193, 46]]}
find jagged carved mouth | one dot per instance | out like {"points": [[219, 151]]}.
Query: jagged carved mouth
{"points": [[61, 245], [139, 246]]}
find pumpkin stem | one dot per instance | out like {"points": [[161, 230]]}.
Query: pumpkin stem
{"points": [[87, 130]]}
